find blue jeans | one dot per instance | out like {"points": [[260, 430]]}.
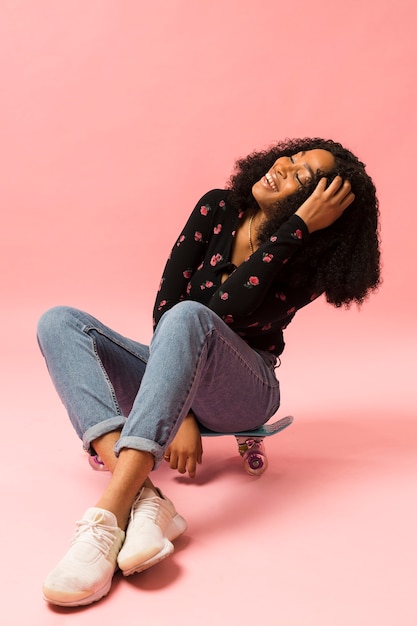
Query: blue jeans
{"points": [[195, 361]]}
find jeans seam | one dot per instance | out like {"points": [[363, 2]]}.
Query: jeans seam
{"points": [[89, 327], [104, 372]]}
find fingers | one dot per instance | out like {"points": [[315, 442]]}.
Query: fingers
{"points": [[344, 196], [338, 189], [192, 467], [321, 185], [182, 462], [338, 194]]}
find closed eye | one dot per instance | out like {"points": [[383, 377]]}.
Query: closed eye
{"points": [[297, 178]]}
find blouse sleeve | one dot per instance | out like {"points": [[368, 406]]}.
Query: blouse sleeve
{"points": [[186, 255], [245, 289]]}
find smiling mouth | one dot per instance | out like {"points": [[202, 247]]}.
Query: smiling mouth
{"points": [[271, 182]]}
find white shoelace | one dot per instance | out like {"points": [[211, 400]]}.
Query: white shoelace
{"points": [[97, 535], [155, 511]]}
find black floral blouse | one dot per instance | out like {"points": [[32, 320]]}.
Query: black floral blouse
{"points": [[251, 300]]}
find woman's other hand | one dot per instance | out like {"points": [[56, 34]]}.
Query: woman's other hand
{"points": [[186, 449], [326, 205]]}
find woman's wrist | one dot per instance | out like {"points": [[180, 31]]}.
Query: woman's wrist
{"points": [[303, 215]]}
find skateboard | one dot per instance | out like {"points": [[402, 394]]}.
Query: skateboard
{"points": [[250, 445]]}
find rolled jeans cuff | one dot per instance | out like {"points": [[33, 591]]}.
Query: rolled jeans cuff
{"points": [[100, 429], [141, 444]]}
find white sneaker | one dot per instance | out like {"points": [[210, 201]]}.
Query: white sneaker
{"points": [[153, 524], [85, 573]]}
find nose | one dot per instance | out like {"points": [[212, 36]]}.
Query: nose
{"points": [[284, 166]]}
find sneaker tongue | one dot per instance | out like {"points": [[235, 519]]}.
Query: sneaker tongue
{"points": [[100, 516], [147, 493]]}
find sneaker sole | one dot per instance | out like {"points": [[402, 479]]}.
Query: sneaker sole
{"points": [[160, 556], [81, 601]]}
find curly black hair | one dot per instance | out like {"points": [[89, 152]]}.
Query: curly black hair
{"points": [[343, 260]]}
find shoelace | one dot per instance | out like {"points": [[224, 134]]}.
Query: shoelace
{"points": [[100, 536], [155, 511]]}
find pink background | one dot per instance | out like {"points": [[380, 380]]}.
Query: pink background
{"points": [[116, 117]]}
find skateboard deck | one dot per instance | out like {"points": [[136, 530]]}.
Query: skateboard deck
{"points": [[266, 430]]}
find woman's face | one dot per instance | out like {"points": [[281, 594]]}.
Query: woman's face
{"points": [[288, 174]]}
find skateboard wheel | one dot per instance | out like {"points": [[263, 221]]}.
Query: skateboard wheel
{"points": [[255, 463], [96, 463], [252, 451]]}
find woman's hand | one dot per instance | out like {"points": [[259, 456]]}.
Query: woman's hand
{"points": [[325, 206], [186, 449]]}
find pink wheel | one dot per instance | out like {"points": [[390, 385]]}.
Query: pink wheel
{"points": [[96, 463], [252, 451], [255, 462]]}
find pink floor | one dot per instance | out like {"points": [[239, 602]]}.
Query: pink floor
{"points": [[326, 537]]}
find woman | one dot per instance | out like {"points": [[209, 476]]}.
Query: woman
{"points": [[297, 221]]}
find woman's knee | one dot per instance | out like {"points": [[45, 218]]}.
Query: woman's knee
{"points": [[52, 324], [187, 313]]}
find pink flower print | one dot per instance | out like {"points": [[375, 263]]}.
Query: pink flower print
{"points": [[233, 233], [222, 204], [188, 290], [267, 327], [298, 234], [291, 310], [187, 273], [273, 239], [224, 295], [241, 214], [252, 282], [285, 261], [228, 319], [267, 257], [271, 348], [180, 240], [254, 325], [217, 229], [200, 267], [162, 304], [204, 209], [216, 258], [206, 285], [198, 236], [281, 296]]}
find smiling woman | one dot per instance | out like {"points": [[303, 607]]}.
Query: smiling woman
{"points": [[342, 259], [289, 173], [297, 221]]}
